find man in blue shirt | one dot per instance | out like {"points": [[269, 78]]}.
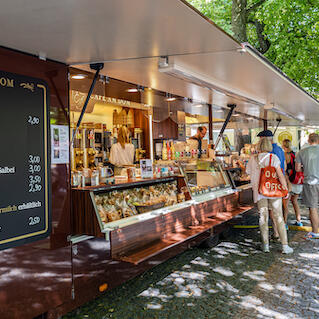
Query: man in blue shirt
{"points": [[281, 154]]}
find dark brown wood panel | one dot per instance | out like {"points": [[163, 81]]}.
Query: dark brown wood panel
{"points": [[137, 256]]}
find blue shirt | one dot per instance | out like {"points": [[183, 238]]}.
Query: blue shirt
{"points": [[280, 153]]}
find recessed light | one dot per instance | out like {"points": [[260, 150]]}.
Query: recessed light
{"points": [[198, 105], [78, 76], [132, 90], [170, 99]]}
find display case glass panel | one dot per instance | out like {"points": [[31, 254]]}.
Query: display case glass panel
{"points": [[205, 177], [116, 208]]}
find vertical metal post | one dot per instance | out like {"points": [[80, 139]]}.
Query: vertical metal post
{"points": [[210, 124], [150, 123], [232, 107]]}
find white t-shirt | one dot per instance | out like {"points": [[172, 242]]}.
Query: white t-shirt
{"points": [[122, 156], [253, 169]]}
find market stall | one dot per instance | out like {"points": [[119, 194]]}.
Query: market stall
{"points": [[97, 233]]}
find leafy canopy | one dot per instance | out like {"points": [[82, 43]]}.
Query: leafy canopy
{"points": [[291, 27]]}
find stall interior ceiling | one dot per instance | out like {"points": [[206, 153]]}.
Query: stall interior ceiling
{"points": [[130, 37], [196, 112]]}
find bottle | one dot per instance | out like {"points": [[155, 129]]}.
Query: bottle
{"points": [[169, 152], [164, 152], [173, 151]]}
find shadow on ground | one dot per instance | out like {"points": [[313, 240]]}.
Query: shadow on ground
{"points": [[231, 280]]}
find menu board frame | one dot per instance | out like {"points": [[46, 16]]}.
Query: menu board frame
{"points": [[33, 86]]}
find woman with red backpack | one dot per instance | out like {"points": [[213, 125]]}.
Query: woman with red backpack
{"points": [[269, 187], [294, 180]]}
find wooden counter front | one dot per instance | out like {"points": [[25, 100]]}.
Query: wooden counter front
{"points": [[137, 242]]}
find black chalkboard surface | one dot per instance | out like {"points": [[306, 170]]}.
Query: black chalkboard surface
{"points": [[25, 192]]}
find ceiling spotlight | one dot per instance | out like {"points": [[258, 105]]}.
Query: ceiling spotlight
{"points": [[170, 98], [163, 62], [132, 90], [78, 76], [241, 50]]}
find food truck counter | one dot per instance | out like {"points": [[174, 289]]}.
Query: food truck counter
{"points": [[139, 218]]}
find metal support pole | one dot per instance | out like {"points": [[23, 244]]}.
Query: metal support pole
{"points": [[97, 67], [278, 120], [232, 107], [210, 123]]}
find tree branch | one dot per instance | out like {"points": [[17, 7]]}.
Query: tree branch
{"points": [[255, 6], [264, 42]]}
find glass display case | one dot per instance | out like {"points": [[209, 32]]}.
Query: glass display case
{"points": [[112, 207], [206, 180], [120, 207], [205, 177]]}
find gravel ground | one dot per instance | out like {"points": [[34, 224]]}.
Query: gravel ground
{"points": [[231, 280]]}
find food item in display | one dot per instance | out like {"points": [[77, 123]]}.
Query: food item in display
{"points": [[114, 215], [102, 213], [180, 197], [115, 205], [98, 200], [200, 189]]}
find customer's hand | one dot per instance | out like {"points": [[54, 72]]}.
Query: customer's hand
{"points": [[287, 196]]}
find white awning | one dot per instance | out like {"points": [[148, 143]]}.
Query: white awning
{"points": [[131, 35]]}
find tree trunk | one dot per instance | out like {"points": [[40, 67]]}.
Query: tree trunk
{"points": [[239, 20]]}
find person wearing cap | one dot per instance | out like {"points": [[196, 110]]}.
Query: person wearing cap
{"points": [[277, 150]]}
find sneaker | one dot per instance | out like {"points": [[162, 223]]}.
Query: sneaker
{"points": [[287, 250], [300, 224], [311, 235], [265, 248]]}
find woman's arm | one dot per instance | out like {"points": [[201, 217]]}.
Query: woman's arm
{"points": [[281, 177]]}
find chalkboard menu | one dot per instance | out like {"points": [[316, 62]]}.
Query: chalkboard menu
{"points": [[24, 160]]}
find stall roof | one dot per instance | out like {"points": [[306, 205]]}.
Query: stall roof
{"points": [[131, 36]]}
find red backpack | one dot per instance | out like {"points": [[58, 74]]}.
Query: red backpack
{"points": [[294, 176]]}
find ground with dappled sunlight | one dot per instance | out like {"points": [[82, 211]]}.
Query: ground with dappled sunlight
{"points": [[232, 280]]}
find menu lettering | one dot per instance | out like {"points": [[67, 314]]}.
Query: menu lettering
{"points": [[24, 160]]}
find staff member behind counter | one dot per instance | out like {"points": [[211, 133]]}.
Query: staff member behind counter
{"points": [[122, 153], [201, 132]]}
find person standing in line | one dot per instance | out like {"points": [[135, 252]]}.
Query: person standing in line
{"points": [[254, 166], [307, 160], [296, 189], [277, 150]]}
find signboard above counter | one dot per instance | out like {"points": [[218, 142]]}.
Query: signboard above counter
{"points": [[25, 160]]}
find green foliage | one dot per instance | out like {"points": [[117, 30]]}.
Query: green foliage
{"points": [[218, 11], [291, 26]]}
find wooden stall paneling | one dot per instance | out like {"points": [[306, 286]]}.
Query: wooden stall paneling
{"points": [[83, 215]]}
